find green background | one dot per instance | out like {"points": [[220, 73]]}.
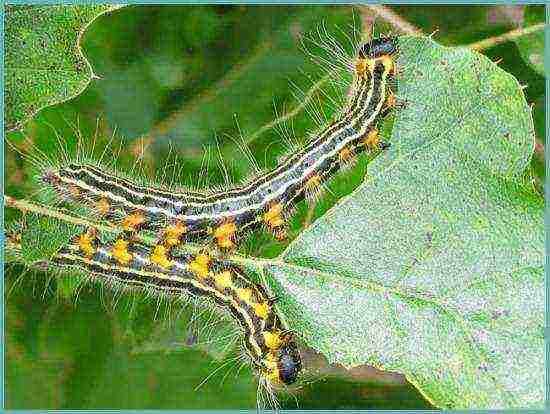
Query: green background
{"points": [[176, 77]]}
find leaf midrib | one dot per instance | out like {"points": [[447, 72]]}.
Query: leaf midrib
{"points": [[443, 307]]}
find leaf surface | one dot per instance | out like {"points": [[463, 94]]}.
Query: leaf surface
{"points": [[44, 63], [433, 267]]}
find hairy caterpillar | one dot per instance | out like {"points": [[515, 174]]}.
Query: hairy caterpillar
{"points": [[224, 216], [264, 201], [268, 346], [271, 349]]}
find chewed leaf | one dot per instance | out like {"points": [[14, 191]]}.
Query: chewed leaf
{"points": [[44, 63], [433, 267]]}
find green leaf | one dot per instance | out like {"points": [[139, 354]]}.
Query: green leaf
{"points": [[391, 303], [433, 267], [44, 63], [531, 46], [43, 237]]}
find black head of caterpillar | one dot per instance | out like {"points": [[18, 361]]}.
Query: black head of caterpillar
{"points": [[266, 201], [289, 363], [271, 348], [378, 47]]}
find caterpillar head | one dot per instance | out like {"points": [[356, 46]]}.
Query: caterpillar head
{"points": [[289, 362], [380, 49], [283, 364]]}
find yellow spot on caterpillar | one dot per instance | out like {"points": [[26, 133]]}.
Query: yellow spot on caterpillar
{"points": [[271, 372], [223, 280], [75, 191], [388, 63], [364, 65], [225, 235], [313, 183], [103, 206], [200, 264], [273, 375], [160, 257], [244, 294], [272, 339], [172, 234], [261, 309], [346, 155], [85, 243], [133, 221], [371, 140], [15, 238], [391, 100], [120, 251], [361, 67], [273, 217], [280, 234]]}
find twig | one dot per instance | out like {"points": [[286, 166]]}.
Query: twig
{"points": [[393, 18], [48, 211], [404, 26], [506, 37]]}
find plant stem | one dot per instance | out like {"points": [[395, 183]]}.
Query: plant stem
{"points": [[505, 37], [393, 18], [48, 211]]}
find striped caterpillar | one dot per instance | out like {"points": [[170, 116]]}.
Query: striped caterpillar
{"points": [[266, 200], [272, 349], [224, 217], [268, 346]]}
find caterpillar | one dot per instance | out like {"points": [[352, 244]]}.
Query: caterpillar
{"points": [[266, 200], [271, 348], [268, 346], [224, 217]]}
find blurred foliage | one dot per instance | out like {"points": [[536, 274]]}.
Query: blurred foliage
{"points": [[531, 47], [177, 82]]}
